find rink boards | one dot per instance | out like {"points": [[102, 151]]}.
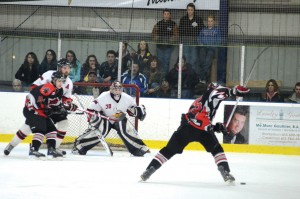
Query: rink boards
{"points": [[271, 128]]}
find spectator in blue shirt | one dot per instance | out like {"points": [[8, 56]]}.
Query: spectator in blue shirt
{"points": [[210, 38], [133, 76]]}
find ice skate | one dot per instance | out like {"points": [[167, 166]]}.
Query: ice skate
{"points": [[146, 175], [62, 152], [35, 154], [8, 149], [53, 153], [226, 175]]}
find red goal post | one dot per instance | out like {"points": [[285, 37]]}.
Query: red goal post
{"points": [[86, 93]]}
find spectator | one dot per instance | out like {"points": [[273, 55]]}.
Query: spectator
{"points": [[74, 74], [164, 33], [89, 90], [189, 79], [17, 85], [133, 76], [272, 92], [142, 55], [295, 97], [164, 90], [154, 75], [109, 68], [49, 62], [91, 64], [209, 37], [236, 127], [190, 26], [126, 58], [28, 72]]}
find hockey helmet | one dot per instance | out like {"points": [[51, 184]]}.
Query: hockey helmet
{"points": [[116, 89], [212, 85], [57, 76], [63, 62]]}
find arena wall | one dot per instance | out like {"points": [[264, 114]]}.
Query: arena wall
{"points": [[163, 118]]}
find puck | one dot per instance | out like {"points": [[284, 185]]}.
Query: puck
{"points": [[243, 183]]}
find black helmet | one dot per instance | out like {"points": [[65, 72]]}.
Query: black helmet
{"points": [[212, 85], [62, 62], [57, 75]]}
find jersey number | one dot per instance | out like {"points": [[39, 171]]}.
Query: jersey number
{"points": [[108, 106]]}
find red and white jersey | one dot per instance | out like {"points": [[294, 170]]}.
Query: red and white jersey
{"points": [[109, 106], [203, 109], [67, 85]]}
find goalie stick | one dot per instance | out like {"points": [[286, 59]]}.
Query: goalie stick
{"points": [[100, 137]]}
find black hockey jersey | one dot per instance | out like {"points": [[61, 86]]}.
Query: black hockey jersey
{"points": [[203, 109]]}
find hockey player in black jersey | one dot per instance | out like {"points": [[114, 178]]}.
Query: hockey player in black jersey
{"points": [[37, 112], [196, 126]]}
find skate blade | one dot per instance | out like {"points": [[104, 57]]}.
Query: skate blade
{"points": [[141, 180], [31, 157], [51, 158], [230, 182]]}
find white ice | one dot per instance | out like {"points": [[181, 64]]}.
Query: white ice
{"points": [[190, 175]]}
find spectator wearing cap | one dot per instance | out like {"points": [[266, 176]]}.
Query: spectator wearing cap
{"points": [[165, 33]]}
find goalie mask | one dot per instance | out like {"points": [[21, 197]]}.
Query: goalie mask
{"points": [[116, 90]]}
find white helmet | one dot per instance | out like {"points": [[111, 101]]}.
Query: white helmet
{"points": [[116, 89]]}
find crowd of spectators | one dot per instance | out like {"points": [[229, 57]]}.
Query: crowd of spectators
{"points": [[153, 74]]}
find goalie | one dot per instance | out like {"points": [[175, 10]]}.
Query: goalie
{"points": [[113, 104]]}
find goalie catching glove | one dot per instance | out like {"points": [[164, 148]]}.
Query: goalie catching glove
{"points": [[239, 91], [138, 111]]}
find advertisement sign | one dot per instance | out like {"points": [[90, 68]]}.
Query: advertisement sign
{"points": [[263, 125], [147, 4], [274, 126], [238, 127]]}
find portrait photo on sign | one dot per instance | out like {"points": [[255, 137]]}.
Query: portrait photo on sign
{"points": [[238, 127]]}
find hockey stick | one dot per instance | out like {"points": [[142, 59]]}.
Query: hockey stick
{"points": [[100, 137], [245, 84]]}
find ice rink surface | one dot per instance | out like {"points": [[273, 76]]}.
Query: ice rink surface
{"points": [[190, 175]]}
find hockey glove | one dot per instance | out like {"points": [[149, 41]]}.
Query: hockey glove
{"points": [[138, 111], [239, 91], [220, 128], [70, 107]]}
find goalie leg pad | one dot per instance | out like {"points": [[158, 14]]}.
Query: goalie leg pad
{"points": [[130, 138], [95, 121], [86, 141]]}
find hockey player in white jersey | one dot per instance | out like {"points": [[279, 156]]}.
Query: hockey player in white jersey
{"points": [[59, 117], [113, 104]]}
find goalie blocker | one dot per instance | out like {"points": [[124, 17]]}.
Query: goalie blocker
{"points": [[113, 104]]}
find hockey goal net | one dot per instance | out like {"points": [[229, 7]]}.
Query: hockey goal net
{"points": [[85, 94]]}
